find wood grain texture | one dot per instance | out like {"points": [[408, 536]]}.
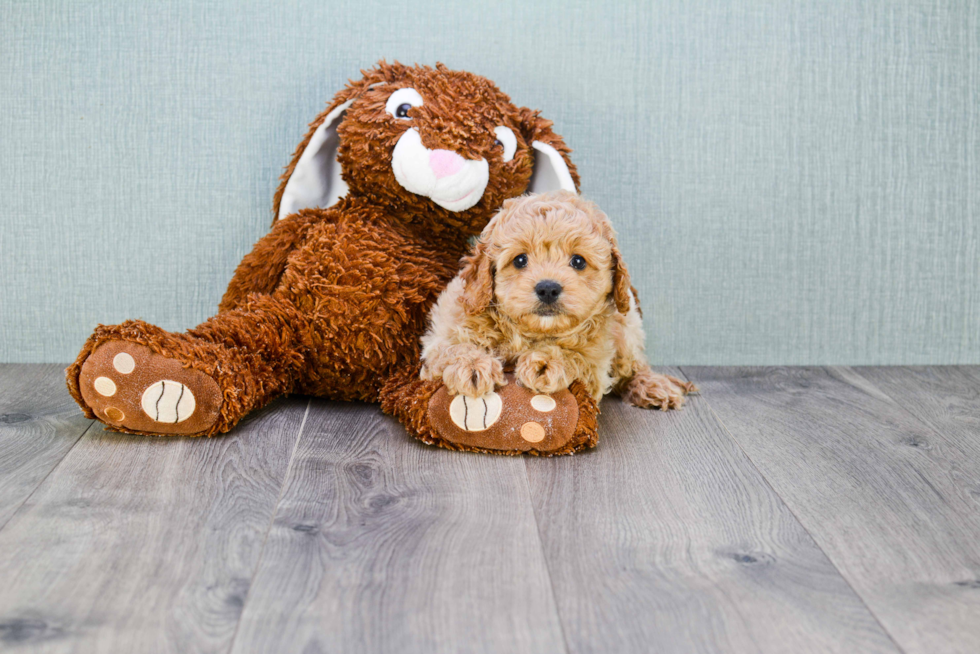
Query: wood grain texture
{"points": [[666, 539], [39, 424], [946, 398], [138, 544], [382, 544], [892, 502], [683, 531]]}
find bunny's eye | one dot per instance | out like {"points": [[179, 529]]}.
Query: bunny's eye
{"points": [[401, 101], [520, 261], [577, 262], [506, 138]]}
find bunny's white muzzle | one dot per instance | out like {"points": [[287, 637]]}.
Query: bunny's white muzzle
{"points": [[449, 180]]}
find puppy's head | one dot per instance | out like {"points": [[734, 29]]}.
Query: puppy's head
{"points": [[549, 262]]}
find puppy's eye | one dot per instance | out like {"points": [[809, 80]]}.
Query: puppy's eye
{"points": [[505, 137], [577, 262], [520, 261], [401, 101]]}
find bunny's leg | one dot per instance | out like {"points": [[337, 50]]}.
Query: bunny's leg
{"points": [[138, 378]]}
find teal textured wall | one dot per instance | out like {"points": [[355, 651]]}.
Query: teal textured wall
{"points": [[793, 182]]}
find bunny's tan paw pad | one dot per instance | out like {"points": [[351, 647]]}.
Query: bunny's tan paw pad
{"points": [[511, 419], [131, 388]]}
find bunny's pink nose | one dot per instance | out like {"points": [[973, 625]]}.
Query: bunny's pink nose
{"points": [[445, 163]]}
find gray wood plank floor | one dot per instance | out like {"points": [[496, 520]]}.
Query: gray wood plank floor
{"points": [[886, 496], [39, 423], [784, 510], [139, 544], [382, 545], [668, 535]]}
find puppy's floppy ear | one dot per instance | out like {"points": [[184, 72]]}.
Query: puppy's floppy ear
{"points": [[553, 169], [621, 287], [621, 281], [477, 275], [314, 177]]}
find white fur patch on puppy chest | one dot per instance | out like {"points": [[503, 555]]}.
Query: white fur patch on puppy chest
{"points": [[475, 413]]}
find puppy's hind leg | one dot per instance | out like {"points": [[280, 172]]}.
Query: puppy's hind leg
{"points": [[650, 390]]}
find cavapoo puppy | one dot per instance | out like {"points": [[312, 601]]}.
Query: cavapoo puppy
{"points": [[545, 292]]}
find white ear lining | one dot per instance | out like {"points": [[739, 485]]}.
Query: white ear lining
{"points": [[550, 171], [316, 180]]}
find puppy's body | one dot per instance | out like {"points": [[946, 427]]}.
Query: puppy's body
{"points": [[545, 291]]}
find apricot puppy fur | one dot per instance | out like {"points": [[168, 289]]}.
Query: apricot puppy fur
{"points": [[545, 291]]}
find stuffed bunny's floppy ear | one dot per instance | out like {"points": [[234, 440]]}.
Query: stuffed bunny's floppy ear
{"points": [[553, 170], [550, 171], [316, 180]]}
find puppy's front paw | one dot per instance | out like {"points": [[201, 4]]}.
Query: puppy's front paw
{"points": [[429, 373], [648, 390], [474, 375], [541, 373]]}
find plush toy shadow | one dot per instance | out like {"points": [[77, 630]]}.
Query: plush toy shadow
{"points": [[372, 217]]}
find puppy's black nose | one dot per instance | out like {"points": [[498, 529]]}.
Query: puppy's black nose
{"points": [[548, 291]]}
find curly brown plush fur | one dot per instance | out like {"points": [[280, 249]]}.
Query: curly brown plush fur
{"points": [[332, 301]]}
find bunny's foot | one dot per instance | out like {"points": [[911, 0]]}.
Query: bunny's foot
{"points": [[509, 420], [130, 388]]}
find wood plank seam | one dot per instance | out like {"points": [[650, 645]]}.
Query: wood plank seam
{"points": [[272, 521], [544, 557], [45, 478], [802, 524]]}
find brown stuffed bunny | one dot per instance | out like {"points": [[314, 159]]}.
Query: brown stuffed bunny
{"points": [[372, 217]]}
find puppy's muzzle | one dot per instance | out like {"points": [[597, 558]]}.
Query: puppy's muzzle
{"points": [[547, 291]]}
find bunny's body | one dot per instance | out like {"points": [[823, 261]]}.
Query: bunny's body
{"points": [[352, 311], [373, 215]]}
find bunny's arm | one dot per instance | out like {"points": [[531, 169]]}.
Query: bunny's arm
{"points": [[261, 269]]}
